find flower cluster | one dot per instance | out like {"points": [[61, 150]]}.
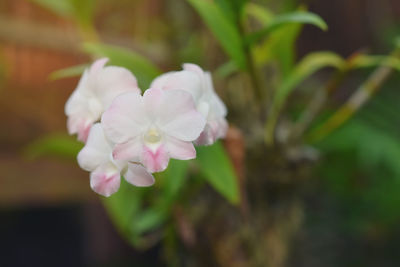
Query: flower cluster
{"points": [[134, 135]]}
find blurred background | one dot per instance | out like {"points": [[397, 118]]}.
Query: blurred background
{"points": [[50, 217]]}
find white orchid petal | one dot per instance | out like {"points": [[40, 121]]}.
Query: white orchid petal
{"points": [[96, 151], [125, 119], [131, 150], [182, 150], [105, 180], [137, 175], [155, 160]]}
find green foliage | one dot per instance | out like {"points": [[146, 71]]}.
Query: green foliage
{"points": [[144, 70], [301, 17], [232, 8], [80, 10], [133, 217], [58, 145], [217, 168], [362, 163], [306, 67], [68, 72], [224, 30]]}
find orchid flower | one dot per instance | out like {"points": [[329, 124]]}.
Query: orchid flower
{"points": [[96, 157], [96, 90], [198, 83], [153, 128]]}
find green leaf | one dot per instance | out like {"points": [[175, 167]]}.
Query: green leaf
{"points": [[217, 168], [367, 61], [68, 72], [60, 7], [123, 208], [149, 219], [59, 145], [262, 14], [174, 178], [142, 68], [231, 8], [301, 17], [223, 29], [307, 66]]}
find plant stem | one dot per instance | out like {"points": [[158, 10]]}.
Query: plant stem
{"points": [[259, 94], [354, 103]]}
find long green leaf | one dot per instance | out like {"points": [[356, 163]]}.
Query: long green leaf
{"points": [[59, 145], [60, 7], [142, 68], [307, 66], [68, 72], [290, 18], [223, 29], [218, 170]]}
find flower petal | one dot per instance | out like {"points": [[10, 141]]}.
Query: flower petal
{"points": [[113, 81], [180, 119], [96, 151], [138, 175], [105, 180], [98, 65], [125, 119], [155, 161], [178, 149], [180, 80], [131, 150]]}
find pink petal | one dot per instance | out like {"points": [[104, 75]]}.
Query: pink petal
{"points": [[178, 149], [125, 119], [194, 68], [180, 119], [155, 161], [97, 65], [153, 99], [138, 175], [206, 138], [113, 81], [105, 180], [131, 150], [96, 151], [79, 125], [181, 80]]}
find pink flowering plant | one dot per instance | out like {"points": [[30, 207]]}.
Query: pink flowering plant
{"points": [[134, 135], [164, 159]]}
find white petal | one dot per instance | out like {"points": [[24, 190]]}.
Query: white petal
{"points": [[178, 116], [105, 180], [125, 119], [180, 149], [96, 151], [138, 175], [112, 81]]}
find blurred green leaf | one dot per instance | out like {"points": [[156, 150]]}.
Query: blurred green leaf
{"points": [[60, 7], [68, 72], [306, 67], [218, 170], [301, 17], [142, 68], [226, 69], [174, 178], [59, 145], [366, 61], [223, 29], [123, 208], [232, 8], [149, 219], [261, 13]]}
